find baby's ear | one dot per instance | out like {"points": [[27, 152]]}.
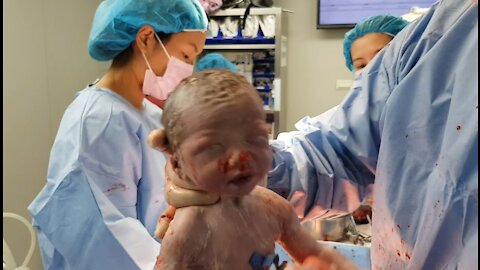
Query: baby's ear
{"points": [[158, 139]]}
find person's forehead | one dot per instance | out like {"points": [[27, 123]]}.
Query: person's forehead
{"points": [[193, 39], [371, 39], [368, 44]]}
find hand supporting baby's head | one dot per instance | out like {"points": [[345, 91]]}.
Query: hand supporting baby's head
{"points": [[216, 134]]}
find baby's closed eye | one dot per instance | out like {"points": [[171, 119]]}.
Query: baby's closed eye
{"points": [[211, 149], [258, 140]]}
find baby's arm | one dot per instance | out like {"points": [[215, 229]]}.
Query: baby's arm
{"points": [[299, 244]]}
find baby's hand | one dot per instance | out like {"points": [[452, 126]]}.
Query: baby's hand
{"points": [[314, 263], [178, 191]]}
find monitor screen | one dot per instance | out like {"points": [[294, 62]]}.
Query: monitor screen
{"points": [[346, 13]]}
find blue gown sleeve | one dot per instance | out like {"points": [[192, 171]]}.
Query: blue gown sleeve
{"points": [[332, 168], [86, 216], [410, 121]]}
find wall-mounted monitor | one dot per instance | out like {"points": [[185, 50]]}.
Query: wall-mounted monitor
{"points": [[346, 13]]}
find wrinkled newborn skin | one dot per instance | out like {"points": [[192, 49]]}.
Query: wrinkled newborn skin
{"points": [[222, 148], [225, 235]]}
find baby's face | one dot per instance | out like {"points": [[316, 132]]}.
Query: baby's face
{"points": [[225, 150]]}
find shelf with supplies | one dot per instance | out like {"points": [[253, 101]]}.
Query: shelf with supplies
{"points": [[259, 40], [253, 11], [239, 46], [257, 45]]}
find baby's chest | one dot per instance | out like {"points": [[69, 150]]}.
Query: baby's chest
{"points": [[246, 225], [231, 235]]}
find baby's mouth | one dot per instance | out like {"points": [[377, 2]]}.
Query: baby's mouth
{"points": [[240, 179]]}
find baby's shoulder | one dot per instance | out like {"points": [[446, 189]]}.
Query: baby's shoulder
{"points": [[263, 193], [273, 202], [190, 218], [191, 211]]}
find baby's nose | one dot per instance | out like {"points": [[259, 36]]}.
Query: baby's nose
{"points": [[239, 160]]}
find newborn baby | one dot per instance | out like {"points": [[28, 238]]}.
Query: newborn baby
{"points": [[216, 136]]}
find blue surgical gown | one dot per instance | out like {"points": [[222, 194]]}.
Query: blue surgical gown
{"points": [[409, 125], [104, 190]]}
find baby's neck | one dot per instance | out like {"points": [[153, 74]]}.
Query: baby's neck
{"points": [[236, 200]]}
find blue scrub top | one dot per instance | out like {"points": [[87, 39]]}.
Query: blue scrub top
{"points": [[410, 126], [105, 186]]}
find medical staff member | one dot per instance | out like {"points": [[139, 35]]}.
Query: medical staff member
{"points": [[367, 38], [216, 61], [410, 126], [104, 191], [360, 45]]}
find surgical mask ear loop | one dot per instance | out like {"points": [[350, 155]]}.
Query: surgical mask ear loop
{"points": [[146, 61], [163, 47]]}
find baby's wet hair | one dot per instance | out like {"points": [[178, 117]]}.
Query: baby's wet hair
{"points": [[211, 88]]}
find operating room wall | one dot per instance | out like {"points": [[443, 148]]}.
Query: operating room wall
{"points": [[314, 63], [45, 61]]}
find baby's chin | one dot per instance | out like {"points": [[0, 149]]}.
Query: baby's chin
{"points": [[240, 187]]}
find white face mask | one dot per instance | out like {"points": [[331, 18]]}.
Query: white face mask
{"points": [[160, 87]]}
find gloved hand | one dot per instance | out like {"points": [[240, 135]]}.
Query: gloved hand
{"points": [[178, 192], [164, 221], [177, 197], [361, 213]]}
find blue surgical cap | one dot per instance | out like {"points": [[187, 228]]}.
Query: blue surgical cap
{"points": [[117, 22], [214, 60], [386, 24]]}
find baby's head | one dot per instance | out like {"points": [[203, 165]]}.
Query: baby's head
{"points": [[216, 132]]}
